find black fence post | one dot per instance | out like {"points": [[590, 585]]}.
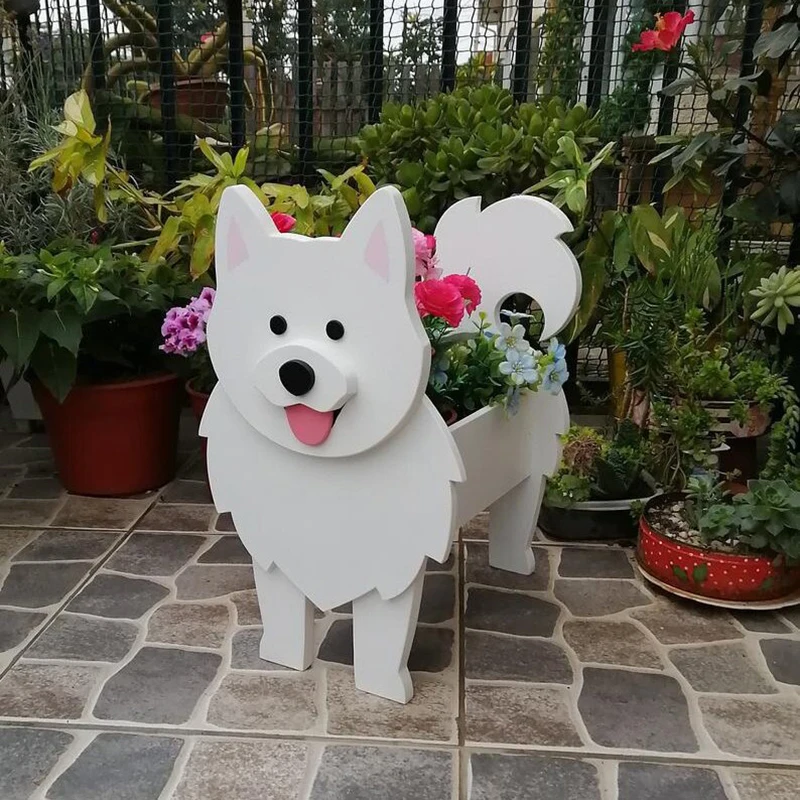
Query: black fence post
{"points": [[598, 53], [236, 73], [666, 110], [166, 83], [305, 88], [96, 56], [522, 53], [375, 61], [450, 44]]}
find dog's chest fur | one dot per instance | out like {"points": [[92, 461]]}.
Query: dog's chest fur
{"points": [[337, 527]]}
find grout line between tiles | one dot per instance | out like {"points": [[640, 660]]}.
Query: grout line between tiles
{"points": [[462, 759]]}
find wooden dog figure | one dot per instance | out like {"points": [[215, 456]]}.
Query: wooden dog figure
{"points": [[340, 475]]}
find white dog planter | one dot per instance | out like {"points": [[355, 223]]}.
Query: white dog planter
{"points": [[339, 473]]}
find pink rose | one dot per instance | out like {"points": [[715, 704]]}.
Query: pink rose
{"points": [[283, 222], [467, 288], [436, 298], [424, 255]]}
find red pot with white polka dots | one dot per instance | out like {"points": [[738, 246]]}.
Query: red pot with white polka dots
{"points": [[708, 573]]}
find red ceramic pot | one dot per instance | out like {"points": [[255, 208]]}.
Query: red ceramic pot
{"points": [[114, 439], [197, 401], [200, 97], [708, 573]]}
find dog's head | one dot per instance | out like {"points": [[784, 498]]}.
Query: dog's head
{"points": [[318, 342]]}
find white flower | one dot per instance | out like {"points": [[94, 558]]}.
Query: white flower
{"points": [[520, 367], [511, 339]]}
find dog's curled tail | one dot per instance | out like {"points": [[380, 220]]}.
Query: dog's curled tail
{"points": [[513, 246]]}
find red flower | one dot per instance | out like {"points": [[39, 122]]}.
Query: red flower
{"points": [[669, 28], [467, 288], [283, 222], [438, 298]]}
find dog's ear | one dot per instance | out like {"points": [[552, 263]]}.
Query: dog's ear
{"points": [[380, 232], [244, 228]]}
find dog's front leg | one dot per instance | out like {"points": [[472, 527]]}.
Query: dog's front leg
{"points": [[288, 619], [512, 519], [383, 631]]}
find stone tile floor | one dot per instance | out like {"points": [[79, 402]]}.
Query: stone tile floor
{"points": [[129, 670]]}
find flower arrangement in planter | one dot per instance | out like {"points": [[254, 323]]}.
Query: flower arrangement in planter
{"points": [[708, 544], [601, 484], [82, 324]]}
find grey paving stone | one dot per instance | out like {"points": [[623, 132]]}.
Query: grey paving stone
{"points": [[247, 610], [594, 563], [491, 657], [196, 625], [766, 728], [108, 595], [41, 585], [164, 517], [85, 639], [431, 714], [766, 785], [100, 512], [121, 766], [761, 622], [204, 581], [792, 614], [674, 621], [477, 527], [37, 489], [16, 626], [438, 599], [661, 718], [479, 571], [16, 456], [27, 512], [431, 651], [242, 770], [244, 651], [598, 598], [506, 612], [532, 715], [155, 554], [436, 566], [606, 642], [783, 659], [248, 701], [27, 756], [525, 777], [367, 773], [721, 668], [159, 685], [224, 523], [666, 782], [68, 546], [47, 691], [187, 491], [12, 541], [227, 550]]}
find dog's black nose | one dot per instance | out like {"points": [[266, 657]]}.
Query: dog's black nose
{"points": [[297, 377]]}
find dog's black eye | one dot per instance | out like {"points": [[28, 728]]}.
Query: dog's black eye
{"points": [[277, 325], [334, 329]]}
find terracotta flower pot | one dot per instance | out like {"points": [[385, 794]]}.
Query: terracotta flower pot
{"points": [[202, 98], [709, 573], [114, 438], [197, 401]]}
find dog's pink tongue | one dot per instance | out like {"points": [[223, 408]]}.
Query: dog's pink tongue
{"points": [[309, 426]]}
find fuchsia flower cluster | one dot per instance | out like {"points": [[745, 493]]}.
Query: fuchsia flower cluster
{"points": [[184, 328], [450, 297]]}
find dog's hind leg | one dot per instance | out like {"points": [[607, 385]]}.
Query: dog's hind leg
{"points": [[383, 631], [512, 520], [288, 619]]}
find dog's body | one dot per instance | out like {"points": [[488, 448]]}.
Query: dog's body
{"points": [[340, 475]]}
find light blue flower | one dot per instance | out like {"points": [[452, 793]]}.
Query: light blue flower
{"points": [[513, 397], [555, 376], [439, 369], [558, 351], [520, 367], [511, 339]]}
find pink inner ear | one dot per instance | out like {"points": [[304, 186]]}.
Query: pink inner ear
{"points": [[377, 253], [237, 249]]}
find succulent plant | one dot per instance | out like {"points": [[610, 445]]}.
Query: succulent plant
{"points": [[777, 295]]}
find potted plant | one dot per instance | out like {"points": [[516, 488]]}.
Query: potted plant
{"points": [[711, 545], [81, 322], [602, 482]]}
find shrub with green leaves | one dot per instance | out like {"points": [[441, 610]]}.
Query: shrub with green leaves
{"points": [[478, 141]]}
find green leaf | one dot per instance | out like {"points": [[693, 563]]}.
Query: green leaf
{"points": [[680, 573], [55, 367], [773, 44], [677, 86], [409, 173], [700, 573], [84, 294], [167, 239], [63, 327], [19, 332]]}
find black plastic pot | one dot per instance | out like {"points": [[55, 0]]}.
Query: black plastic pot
{"points": [[591, 521]]}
